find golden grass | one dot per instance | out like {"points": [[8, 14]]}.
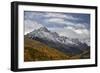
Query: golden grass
{"points": [[37, 51]]}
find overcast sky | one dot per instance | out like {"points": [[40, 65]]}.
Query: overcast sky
{"points": [[65, 24]]}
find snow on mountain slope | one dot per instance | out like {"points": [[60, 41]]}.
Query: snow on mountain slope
{"points": [[44, 33]]}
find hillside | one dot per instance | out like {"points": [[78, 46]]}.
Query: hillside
{"points": [[37, 51]]}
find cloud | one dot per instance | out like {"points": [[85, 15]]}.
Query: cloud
{"points": [[55, 20], [58, 15], [61, 15], [32, 15], [61, 22], [58, 22], [79, 25], [72, 32], [31, 25], [50, 19]]}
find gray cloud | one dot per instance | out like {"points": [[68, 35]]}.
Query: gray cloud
{"points": [[57, 22]]}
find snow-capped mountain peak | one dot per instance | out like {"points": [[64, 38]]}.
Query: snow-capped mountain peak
{"points": [[42, 29], [44, 33]]}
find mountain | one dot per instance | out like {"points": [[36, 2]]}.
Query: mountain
{"points": [[61, 43], [44, 33]]}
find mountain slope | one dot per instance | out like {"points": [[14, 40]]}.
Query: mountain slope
{"points": [[37, 51]]}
